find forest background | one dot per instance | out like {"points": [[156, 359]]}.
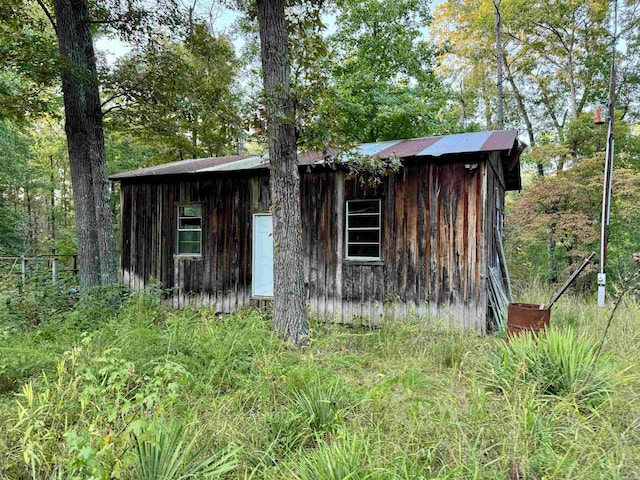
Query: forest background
{"points": [[362, 71]]}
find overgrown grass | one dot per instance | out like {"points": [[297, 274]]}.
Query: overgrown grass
{"points": [[558, 363], [122, 387]]}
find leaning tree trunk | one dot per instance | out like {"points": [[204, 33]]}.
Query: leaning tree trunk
{"points": [[498, 28], [523, 111], [85, 140], [289, 308]]}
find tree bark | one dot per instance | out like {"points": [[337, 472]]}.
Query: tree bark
{"points": [[487, 107], [32, 223], [52, 204], [522, 108], [499, 55], [85, 141], [551, 250], [289, 306]]}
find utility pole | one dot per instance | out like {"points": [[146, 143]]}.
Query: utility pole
{"points": [[608, 168]]}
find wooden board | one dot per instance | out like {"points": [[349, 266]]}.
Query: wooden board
{"points": [[438, 241]]}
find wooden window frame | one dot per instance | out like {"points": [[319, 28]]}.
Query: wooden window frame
{"points": [[179, 207], [347, 229]]}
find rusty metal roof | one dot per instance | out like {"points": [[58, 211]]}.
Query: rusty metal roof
{"points": [[177, 168], [499, 140]]}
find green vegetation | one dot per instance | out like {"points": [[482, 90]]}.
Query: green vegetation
{"points": [[380, 70], [118, 386], [558, 363]]}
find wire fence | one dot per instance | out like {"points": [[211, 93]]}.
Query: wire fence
{"points": [[57, 266]]}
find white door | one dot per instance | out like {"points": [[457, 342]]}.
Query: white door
{"points": [[262, 273]]}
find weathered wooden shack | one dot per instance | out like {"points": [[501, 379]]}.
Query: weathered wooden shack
{"points": [[421, 241]]}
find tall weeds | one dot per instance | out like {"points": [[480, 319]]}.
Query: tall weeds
{"points": [[170, 452], [411, 400], [557, 363]]}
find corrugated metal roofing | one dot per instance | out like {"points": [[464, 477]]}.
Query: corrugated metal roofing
{"points": [[242, 164], [465, 142], [183, 166], [408, 148], [499, 140], [373, 149]]}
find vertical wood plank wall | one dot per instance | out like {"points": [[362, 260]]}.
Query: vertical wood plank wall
{"points": [[438, 220], [495, 191]]}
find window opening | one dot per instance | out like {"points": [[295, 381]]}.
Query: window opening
{"points": [[190, 230], [363, 229]]}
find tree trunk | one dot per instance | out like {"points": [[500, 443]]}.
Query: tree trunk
{"points": [[522, 108], [549, 105], [551, 248], [52, 205], [289, 307], [463, 105], [487, 107], [499, 54], [64, 197], [85, 141], [31, 224]]}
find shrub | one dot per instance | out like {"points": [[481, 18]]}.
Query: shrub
{"points": [[167, 451], [558, 363], [322, 405], [34, 303], [97, 306], [24, 353], [92, 402], [343, 459], [287, 430]]}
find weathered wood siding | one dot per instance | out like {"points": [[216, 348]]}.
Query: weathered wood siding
{"points": [[435, 247], [494, 217], [221, 276]]}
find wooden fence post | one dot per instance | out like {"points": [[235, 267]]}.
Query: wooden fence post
{"points": [[24, 270], [54, 270]]}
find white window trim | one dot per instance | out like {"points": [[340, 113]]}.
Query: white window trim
{"points": [[378, 228], [179, 217]]}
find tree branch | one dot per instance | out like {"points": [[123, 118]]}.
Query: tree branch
{"points": [[555, 32], [113, 97], [110, 109], [548, 105], [48, 14], [109, 21], [625, 110], [124, 91]]}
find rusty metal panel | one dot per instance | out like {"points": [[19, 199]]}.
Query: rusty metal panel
{"points": [[503, 140], [500, 140], [458, 143], [249, 163], [408, 148], [176, 168], [317, 157], [374, 149]]}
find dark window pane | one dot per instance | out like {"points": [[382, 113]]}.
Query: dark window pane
{"points": [[366, 251], [189, 242], [191, 211], [364, 206], [189, 247], [363, 229], [364, 221], [369, 236], [190, 223], [189, 236]]}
